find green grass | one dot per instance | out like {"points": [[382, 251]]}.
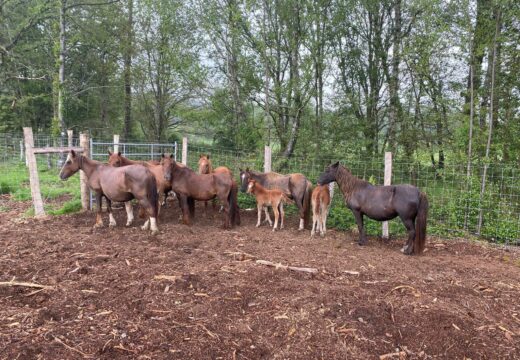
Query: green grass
{"points": [[14, 180]]}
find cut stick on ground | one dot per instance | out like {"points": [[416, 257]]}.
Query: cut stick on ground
{"points": [[24, 284], [58, 340], [392, 355], [286, 267]]}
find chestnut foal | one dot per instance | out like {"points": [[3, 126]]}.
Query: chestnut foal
{"points": [[320, 201], [265, 198]]}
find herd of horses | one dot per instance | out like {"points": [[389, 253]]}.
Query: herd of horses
{"points": [[122, 180]]}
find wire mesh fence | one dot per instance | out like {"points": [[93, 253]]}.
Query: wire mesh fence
{"points": [[458, 208]]}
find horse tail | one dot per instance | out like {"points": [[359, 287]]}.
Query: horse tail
{"points": [[191, 205], [307, 205], [420, 224], [234, 212], [153, 196]]}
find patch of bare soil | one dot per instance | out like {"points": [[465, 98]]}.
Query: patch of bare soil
{"points": [[198, 293]]}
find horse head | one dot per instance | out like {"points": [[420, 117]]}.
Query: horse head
{"points": [[167, 163], [251, 186], [204, 164], [329, 175], [114, 159], [71, 165], [245, 176]]}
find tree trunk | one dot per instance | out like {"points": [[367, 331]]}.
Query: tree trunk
{"points": [[127, 126], [393, 86], [61, 71]]}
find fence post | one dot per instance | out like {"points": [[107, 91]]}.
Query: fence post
{"points": [[116, 143], [185, 151], [70, 134], [267, 158], [387, 181], [21, 150], [85, 194], [33, 172]]}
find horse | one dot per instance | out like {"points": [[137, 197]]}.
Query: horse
{"points": [[204, 187], [295, 186], [264, 198], [163, 186], [117, 184], [115, 159], [382, 203], [320, 201]]}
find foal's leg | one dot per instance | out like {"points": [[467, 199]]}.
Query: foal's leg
{"points": [[112, 221], [282, 213], [267, 217], [99, 202], [359, 221], [314, 222], [276, 215], [410, 227], [259, 209], [129, 213]]}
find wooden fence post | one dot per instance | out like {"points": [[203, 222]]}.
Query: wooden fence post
{"points": [[116, 143], [33, 172], [387, 181], [85, 194], [185, 151], [21, 151], [70, 135], [267, 158]]}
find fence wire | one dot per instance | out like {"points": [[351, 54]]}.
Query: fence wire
{"points": [[456, 201]]}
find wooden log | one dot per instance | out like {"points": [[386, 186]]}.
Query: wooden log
{"points": [[33, 172], [58, 149], [286, 267], [85, 193]]}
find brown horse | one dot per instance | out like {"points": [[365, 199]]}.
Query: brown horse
{"points": [[116, 184], [265, 198], [320, 201], [115, 159], [206, 167], [382, 203], [204, 187], [295, 186], [163, 186]]}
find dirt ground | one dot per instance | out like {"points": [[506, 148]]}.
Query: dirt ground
{"points": [[198, 293]]}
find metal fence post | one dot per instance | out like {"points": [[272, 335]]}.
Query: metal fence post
{"points": [[185, 151], [387, 181], [267, 158], [175, 150], [33, 172], [21, 150], [85, 193]]}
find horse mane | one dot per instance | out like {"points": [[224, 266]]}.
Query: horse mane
{"points": [[347, 182]]}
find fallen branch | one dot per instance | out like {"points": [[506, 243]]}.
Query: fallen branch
{"points": [[414, 291], [72, 349], [391, 355], [24, 284], [286, 267], [240, 256]]}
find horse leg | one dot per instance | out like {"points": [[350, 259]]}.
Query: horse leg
{"points": [[359, 221], [276, 216], [323, 222], [151, 222], [410, 227], [259, 209], [282, 214], [314, 223], [267, 217], [129, 213], [112, 222], [99, 202]]}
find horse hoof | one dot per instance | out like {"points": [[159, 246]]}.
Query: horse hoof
{"points": [[112, 225], [98, 225], [362, 243], [128, 224], [155, 232]]}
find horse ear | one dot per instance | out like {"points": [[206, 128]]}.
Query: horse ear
{"points": [[171, 156], [73, 153], [336, 164], [162, 155], [109, 152], [247, 168], [119, 153], [240, 169], [207, 156]]}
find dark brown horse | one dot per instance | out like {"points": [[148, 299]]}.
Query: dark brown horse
{"points": [[204, 187], [382, 203], [116, 184], [295, 186]]}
